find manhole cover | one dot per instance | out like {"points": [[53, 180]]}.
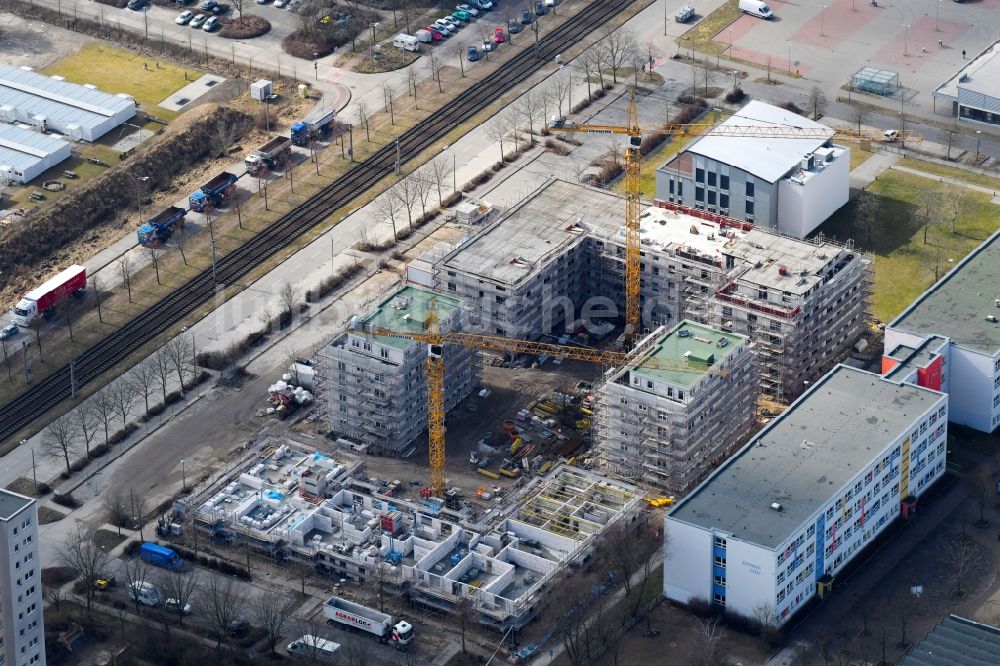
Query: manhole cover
{"points": [[182, 101], [210, 83]]}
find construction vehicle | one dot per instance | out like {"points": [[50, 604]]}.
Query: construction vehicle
{"points": [[633, 158], [272, 154], [317, 124], [214, 193], [368, 620], [41, 300], [159, 227]]}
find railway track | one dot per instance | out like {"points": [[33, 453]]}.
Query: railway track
{"points": [[116, 347]]}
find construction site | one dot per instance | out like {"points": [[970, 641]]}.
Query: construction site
{"points": [[499, 551]]}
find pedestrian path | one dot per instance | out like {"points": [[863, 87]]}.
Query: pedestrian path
{"points": [[946, 179], [868, 171]]}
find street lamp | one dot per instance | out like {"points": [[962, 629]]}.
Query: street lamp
{"points": [[937, 14], [979, 139], [371, 46], [184, 485], [789, 58], [821, 8], [139, 192], [454, 168], [906, 35], [316, 65]]}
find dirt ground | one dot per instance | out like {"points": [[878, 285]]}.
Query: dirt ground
{"points": [[34, 43], [510, 389]]}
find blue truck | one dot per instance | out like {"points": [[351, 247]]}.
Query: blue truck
{"points": [[159, 227], [160, 556], [215, 192], [318, 124]]}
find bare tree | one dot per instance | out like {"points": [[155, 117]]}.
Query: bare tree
{"points": [[950, 136], [117, 510], [104, 410], [59, 439], [272, 613], [440, 170], [388, 95], [616, 49], [288, 297], [590, 66], [154, 258], [817, 102], [142, 379], [238, 6], [560, 90], [97, 284], [464, 615], [82, 554], [382, 580], [123, 397], [954, 203], [224, 602], [364, 117], [125, 268], [704, 648], [312, 636], [460, 52], [411, 84], [422, 184], [927, 208], [178, 351], [982, 487], [406, 194], [497, 130], [763, 615], [357, 649], [867, 208], [224, 136], [161, 363], [528, 106], [64, 310], [624, 550], [435, 64], [87, 421], [570, 603]]}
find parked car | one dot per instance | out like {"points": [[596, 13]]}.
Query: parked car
{"points": [[238, 628], [174, 605], [890, 135], [526, 17], [468, 9], [442, 27], [8, 331], [472, 55], [198, 21], [462, 15], [211, 24], [437, 34], [454, 24], [513, 27], [220, 10], [540, 9], [498, 36], [206, 5], [280, 4], [136, 5], [487, 45], [484, 4], [184, 17]]}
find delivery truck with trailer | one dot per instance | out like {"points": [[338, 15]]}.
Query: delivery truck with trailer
{"points": [[272, 154], [370, 621], [215, 192], [318, 124], [41, 300], [159, 227]]}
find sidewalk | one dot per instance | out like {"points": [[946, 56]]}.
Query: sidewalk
{"points": [[868, 171], [946, 179]]}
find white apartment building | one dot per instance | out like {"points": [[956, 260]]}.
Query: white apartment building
{"points": [[788, 184], [774, 525], [22, 632], [949, 339], [667, 427]]}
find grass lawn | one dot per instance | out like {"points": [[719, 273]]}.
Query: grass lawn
{"points": [[700, 36], [116, 71], [904, 264], [957, 173], [858, 156], [651, 162]]}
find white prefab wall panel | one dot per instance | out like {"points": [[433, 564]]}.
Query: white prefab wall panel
{"points": [[750, 577], [687, 564]]}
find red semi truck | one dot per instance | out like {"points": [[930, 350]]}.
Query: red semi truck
{"points": [[40, 300]]}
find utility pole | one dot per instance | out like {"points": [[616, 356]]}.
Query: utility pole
{"points": [[72, 378], [34, 475], [211, 233], [27, 369], [534, 25], [397, 156]]}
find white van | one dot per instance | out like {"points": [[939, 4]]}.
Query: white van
{"points": [[406, 42], [423, 36], [756, 8], [314, 648], [145, 593]]}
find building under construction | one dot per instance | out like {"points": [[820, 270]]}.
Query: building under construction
{"points": [[660, 427], [555, 263], [374, 386]]}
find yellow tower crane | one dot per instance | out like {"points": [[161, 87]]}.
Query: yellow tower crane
{"points": [[434, 371], [633, 160]]}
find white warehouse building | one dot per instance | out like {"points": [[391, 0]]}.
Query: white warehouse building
{"points": [[774, 525], [51, 103], [788, 184], [949, 339], [26, 154]]}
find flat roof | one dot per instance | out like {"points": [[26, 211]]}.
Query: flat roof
{"points": [[406, 311], [769, 158], [804, 456], [911, 358], [980, 75], [22, 148], [67, 103], [958, 304], [956, 641], [11, 504], [766, 253], [691, 345]]}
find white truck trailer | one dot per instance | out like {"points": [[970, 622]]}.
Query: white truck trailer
{"points": [[370, 621]]}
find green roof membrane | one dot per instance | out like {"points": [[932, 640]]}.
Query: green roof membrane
{"points": [[693, 349], [406, 311]]}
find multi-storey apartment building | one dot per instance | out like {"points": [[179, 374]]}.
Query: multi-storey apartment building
{"points": [[666, 427], [374, 386], [773, 526], [22, 631], [789, 184]]}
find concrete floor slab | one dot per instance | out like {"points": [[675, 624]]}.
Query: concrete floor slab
{"points": [[191, 92]]}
